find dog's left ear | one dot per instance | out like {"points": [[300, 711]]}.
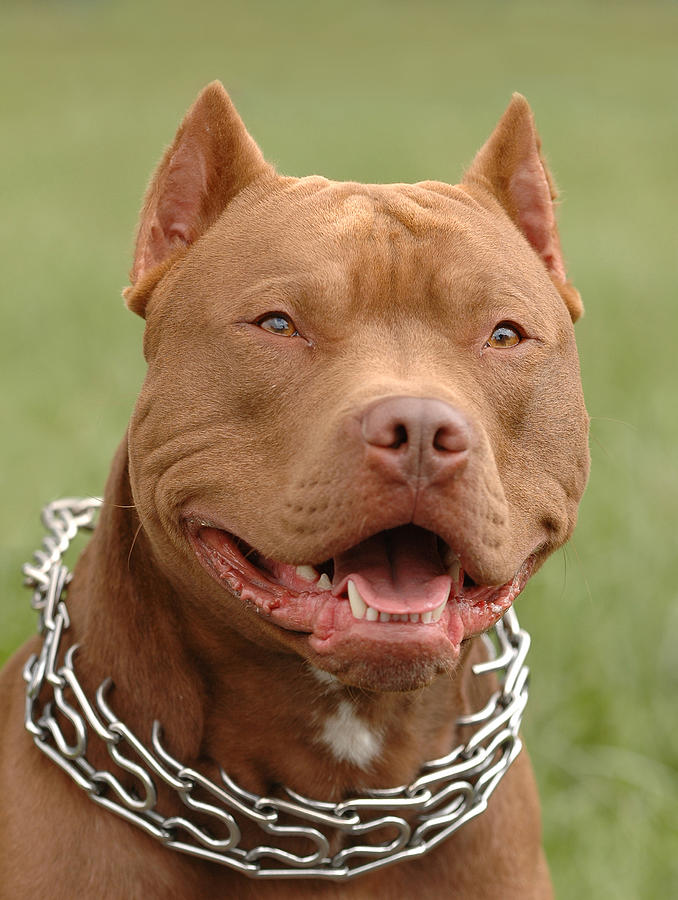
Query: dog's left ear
{"points": [[211, 159], [511, 168]]}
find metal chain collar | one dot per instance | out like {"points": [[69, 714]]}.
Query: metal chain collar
{"points": [[448, 792]]}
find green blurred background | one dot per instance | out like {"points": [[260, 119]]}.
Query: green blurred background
{"points": [[90, 94]]}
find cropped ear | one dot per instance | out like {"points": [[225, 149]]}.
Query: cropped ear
{"points": [[511, 168], [211, 159]]}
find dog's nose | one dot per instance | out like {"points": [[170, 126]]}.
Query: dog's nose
{"points": [[416, 436]]}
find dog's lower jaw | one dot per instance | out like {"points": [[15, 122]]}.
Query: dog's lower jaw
{"points": [[386, 673], [334, 630]]}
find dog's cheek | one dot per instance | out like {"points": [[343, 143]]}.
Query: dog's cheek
{"points": [[201, 434], [541, 447]]}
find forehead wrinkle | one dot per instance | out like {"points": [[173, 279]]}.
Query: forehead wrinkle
{"points": [[376, 209], [355, 217], [358, 249], [398, 268], [314, 218]]}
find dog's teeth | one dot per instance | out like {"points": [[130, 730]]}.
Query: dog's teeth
{"points": [[361, 610], [453, 566], [308, 573], [451, 561], [358, 605], [438, 611], [324, 582]]}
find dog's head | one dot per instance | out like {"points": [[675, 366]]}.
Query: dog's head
{"points": [[362, 426]]}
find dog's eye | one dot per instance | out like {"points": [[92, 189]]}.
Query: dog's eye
{"points": [[504, 335], [277, 323]]}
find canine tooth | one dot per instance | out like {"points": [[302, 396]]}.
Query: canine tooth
{"points": [[358, 605], [438, 611], [371, 615], [308, 573], [453, 569], [426, 617], [324, 582], [384, 617], [414, 617]]}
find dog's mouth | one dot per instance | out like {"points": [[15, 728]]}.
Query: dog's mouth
{"points": [[403, 585]]}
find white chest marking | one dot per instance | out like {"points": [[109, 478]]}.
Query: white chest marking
{"points": [[348, 738], [329, 682]]}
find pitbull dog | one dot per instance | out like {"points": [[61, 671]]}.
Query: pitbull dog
{"points": [[361, 431]]}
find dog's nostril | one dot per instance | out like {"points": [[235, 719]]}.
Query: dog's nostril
{"points": [[399, 436], [386, 431], [451, 439]]}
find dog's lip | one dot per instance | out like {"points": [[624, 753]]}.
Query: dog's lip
{"points": [[303, 607]]}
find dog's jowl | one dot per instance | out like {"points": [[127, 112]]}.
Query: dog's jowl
{"points": [[360, 433]]}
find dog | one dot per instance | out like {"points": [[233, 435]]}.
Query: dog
{"points": [[361, 431]]}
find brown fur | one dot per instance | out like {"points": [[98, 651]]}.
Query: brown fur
{"points": [[394, 288]]}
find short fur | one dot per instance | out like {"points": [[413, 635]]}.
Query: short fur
{"points": [[395, 290]]}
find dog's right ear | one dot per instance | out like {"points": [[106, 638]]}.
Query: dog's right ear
{"points": [[211, 159]]}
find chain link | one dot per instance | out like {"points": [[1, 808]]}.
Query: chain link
{"points": [[449, 791]]}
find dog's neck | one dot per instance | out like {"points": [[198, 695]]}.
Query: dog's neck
{"points": [[267, 717]]}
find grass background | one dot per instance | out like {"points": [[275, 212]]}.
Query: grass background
{"points": [[385, 91]]}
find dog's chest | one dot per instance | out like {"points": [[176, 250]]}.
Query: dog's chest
{"points": [[347, 735]]}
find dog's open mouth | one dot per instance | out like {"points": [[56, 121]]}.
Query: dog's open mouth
{"points": [[400, 585]]}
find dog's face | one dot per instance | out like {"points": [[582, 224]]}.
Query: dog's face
{"points": [[362, 427]]}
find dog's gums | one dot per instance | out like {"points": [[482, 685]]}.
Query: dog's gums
{"points": [[398, 585]]}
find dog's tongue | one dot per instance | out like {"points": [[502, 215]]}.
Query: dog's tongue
{"points": [[395, 571]]}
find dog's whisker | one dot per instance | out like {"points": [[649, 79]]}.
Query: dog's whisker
{"points": [[118, 505], [134, 540], [575, 550]]}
